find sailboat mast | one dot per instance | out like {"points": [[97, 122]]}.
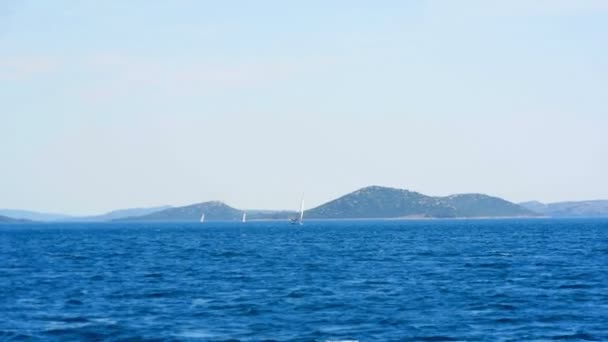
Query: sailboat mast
{"points": [[302, 210]]}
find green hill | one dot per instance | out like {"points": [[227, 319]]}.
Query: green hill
{"points": [[367, 203], [380, 202], [383, 202], [479, 205], [213, 210]]}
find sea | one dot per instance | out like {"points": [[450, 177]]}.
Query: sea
{"points": [[424, 280]]}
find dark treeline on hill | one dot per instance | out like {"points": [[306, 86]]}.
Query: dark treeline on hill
{"points": [[372, 202]]}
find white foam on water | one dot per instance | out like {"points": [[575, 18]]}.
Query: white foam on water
{"points": [[55, 325], [200, 301], [199, 333], [107, 321], [336, 329]]}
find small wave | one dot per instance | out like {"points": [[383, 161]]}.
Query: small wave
{"points": [[577, 336], [229, 254], [77, 319], [501, 253], [200, 302], [106, 321], [157, 294], [250, 309], [435, 338], [575, 286], [67, 256], [14, 336], [153, 275], [61, 327], [505, 320], [497, 265], [91, 330], [74, 302], [559, 318], [506, 307], [196, 334], [295, 294]]}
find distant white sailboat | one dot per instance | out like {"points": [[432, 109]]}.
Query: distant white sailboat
{"points": [[203, 218], [300, 219], [244, 217]]}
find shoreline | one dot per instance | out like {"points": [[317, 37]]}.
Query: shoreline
{"points": [[479, 218]]}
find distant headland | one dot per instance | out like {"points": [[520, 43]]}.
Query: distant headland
{"points": [[372, 202], [5, 219]]}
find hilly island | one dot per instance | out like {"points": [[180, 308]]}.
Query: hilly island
{"points": [[373, 202]]}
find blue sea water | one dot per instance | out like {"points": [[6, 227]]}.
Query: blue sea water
{"points": [[434, 280]]}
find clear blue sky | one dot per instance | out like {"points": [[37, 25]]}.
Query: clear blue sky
{"points": [[135, 103]]}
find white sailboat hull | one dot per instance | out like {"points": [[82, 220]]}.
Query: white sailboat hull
{"points": [[300, 219]]}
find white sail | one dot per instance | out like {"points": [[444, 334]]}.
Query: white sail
{"points": [[244, 217], [301, 211], [300, 218], [203, 218]]}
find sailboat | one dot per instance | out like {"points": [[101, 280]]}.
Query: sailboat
{"points": [[244, 217], [300, 219], [203, 218]]}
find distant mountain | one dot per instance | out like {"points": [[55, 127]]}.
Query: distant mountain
{"points": [[598, 208], [380, 202], [46, 217], [121, 213], [33, 215], [535, 206], [383, 202], [270, 214], [366, 203], [369, 202], [213, 210], [4, 219], [479, 205]]}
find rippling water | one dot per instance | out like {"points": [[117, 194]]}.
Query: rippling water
{"points": [[430, 280]]}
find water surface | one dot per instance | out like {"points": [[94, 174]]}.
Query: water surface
{"points": [[434, 280]]}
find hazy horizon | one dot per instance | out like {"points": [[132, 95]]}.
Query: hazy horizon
{"points": [[68, 213], [136, 104]]}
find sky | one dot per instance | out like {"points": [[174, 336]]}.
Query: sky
{"points": [[119, 104]]}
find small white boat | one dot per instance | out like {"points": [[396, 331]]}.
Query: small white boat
{"points": [[300, 219], [244, 217], [203, 218]]}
